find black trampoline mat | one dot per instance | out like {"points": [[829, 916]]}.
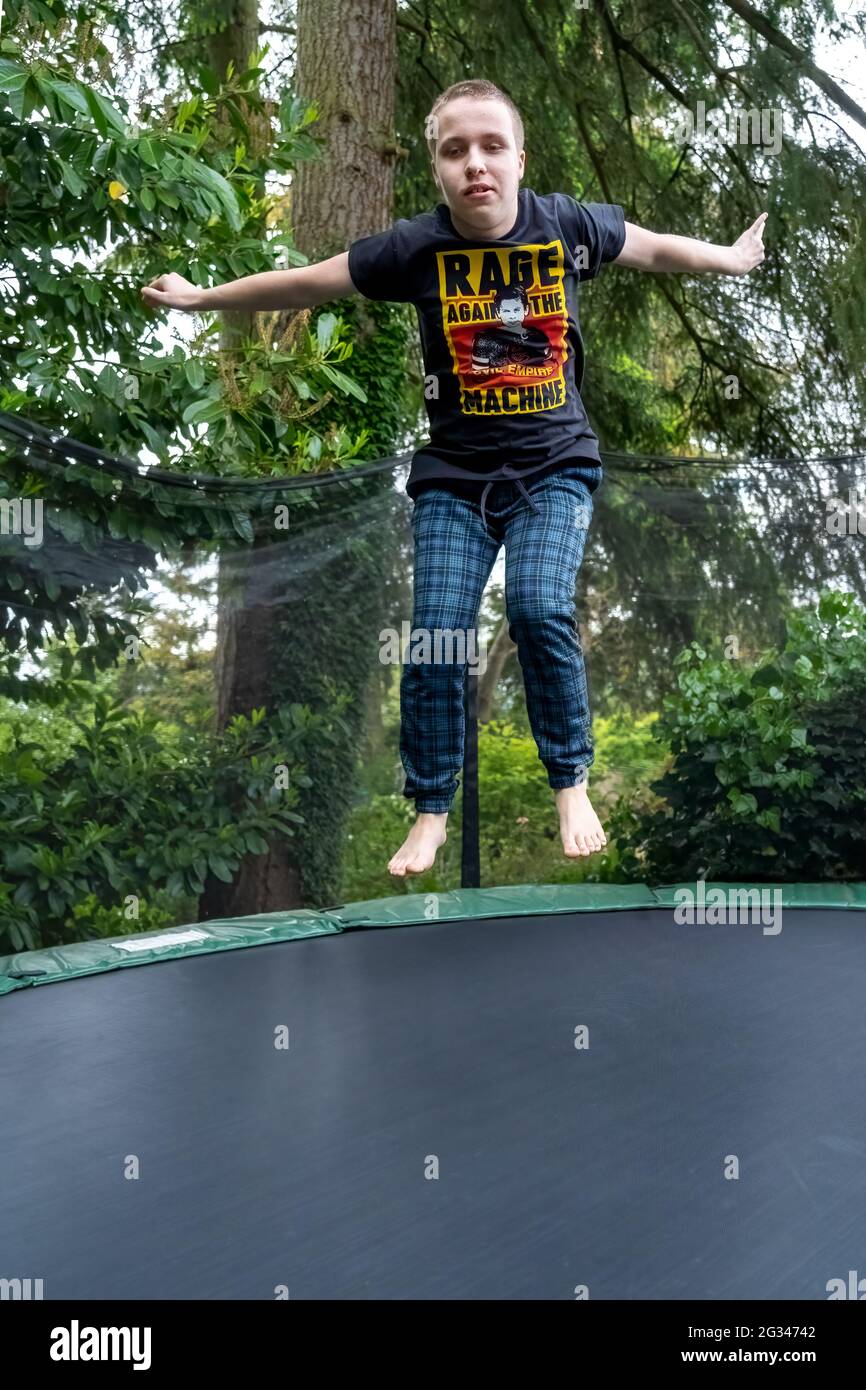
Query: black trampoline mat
{"points": [[558, 1167]]}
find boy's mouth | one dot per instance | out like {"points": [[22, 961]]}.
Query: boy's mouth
{"points": [[478, 190]]}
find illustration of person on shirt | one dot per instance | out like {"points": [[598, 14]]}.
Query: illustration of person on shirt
{"points": [[510, 343]]}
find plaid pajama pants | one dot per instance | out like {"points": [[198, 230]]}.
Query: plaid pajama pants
{"points": [[456, 542]]}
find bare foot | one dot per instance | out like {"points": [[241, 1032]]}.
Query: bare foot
{"points": [[579, 826], [418, 851]]}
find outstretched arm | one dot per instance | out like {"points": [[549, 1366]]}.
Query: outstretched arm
{"points": [[301, 288], [658, 251]]}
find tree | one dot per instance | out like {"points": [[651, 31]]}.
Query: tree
{"points": [[170, 194]]}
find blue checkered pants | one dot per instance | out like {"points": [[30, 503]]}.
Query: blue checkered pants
{"points": [[544, 530]]}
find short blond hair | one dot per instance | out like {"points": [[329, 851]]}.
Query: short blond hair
{"points": [[481, 90]]}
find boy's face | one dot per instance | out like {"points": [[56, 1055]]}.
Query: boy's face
{"points": [[475, 146]]}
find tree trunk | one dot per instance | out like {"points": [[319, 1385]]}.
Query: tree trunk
{"points": [[345, 64], [501, 649]]}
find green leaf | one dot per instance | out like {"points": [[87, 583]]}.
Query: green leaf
{"points": [[153, 439], [153, 537], [203, 410], [18, 858], [71, 179], [70, 524], [343, 383], [12, 76], [300, 386], [243, 526], [766, 676], [105, 116], [194, 373], [147, 153], [176, 882], [219, 868], [209, 179], [325, 326], [208, 80], [70, 93]]}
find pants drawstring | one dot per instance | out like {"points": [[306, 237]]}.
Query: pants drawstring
{"points": [[506, 468]]}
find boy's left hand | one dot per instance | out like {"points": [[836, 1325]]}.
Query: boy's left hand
{"points": [[748, 250]]}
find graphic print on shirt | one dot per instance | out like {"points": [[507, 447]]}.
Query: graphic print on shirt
{"points": [[505, 319]]}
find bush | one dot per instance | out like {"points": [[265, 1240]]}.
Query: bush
{"points": [[125, 816], [90, 920], [768, 778]]}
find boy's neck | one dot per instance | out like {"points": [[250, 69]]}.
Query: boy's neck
{"points": [[490, 233]]}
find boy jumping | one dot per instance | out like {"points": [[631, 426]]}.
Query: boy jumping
{"points": [[493, 274]]}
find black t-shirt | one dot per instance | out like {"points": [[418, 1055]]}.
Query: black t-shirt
{"points": [[500, 334]]}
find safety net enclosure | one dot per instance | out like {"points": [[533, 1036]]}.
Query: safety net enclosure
{"points": [[200, 686]]}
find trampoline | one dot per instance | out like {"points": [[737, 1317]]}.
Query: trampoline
{"points": [[536, 1096]]}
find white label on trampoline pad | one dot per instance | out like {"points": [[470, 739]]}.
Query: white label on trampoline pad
{"points": [[148, 943]]}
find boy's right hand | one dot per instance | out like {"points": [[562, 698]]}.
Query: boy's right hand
{"points": [[173, 292]]}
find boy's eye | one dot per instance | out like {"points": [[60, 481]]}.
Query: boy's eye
{"points": [[492, 145]]}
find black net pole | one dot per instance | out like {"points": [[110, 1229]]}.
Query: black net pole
{"points": [[470, 868]]}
